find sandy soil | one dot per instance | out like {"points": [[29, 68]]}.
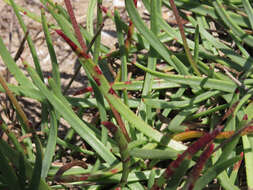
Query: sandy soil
{"points": [[9, 27]]}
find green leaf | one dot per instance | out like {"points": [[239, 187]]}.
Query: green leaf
{"points": [[154, 153], [249, 11], [29, 40], [54, 63], [150, 36], [51, 144], [232, 24], [164, 104], [7, 172], [203, 82], [35, 180], [214, 171], [68, 114], [12, 67], [90, 18]]}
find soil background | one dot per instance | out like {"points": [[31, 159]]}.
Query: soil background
{"points": [[12, 35]]}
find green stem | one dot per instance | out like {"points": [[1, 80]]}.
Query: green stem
{"points": [[98, 38]]}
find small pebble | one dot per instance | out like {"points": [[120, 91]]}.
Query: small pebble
{"points": [[121, 3]]}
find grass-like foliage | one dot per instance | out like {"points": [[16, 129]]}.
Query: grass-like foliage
{"points": [[186, 125]]}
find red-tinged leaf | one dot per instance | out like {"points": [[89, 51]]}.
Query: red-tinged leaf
{"points": [[128, 82], [184, 159], [135, 3], [174, 165], [129, 35], [98, 70], [119, 119], [194, 148], [230, 111], [238, 164], [155, 187], [82, 91], [66, 167], [203, 141], [130, 31], [111, 91], [103, 8], [73, 46], [75, 25], [247, 130], [245, 117], [199, 166], [97, 81], [110, 126], [114, 171]]}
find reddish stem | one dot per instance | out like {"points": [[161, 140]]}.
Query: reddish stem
{"points": [[97, 81], [66, 167], [75, 25], [199, 166], [82, 91], [120, 122], [73, 46], [98, 70]]}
